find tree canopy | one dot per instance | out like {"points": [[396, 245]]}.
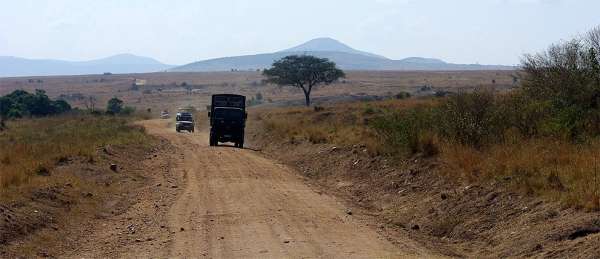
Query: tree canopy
{"points": [[21, 103], [114, 106], [303, 72]]}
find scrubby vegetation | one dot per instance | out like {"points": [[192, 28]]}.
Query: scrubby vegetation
{"points": [[544, 137], [115, 106], [21, 103], [33, 147]]}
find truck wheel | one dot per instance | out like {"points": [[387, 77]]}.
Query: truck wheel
{"points": [[240, 144], [212, 140], [241, 141], [177, 129]]}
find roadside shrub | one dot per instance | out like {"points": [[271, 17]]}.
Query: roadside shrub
{"points": [[528, 116], [403, 131], [472, 119], [567, 76]]}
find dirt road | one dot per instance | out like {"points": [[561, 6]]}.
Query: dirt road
{"points": [[237, 204]]}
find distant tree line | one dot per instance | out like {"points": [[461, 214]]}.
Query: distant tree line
{"points": [[21, 103]]}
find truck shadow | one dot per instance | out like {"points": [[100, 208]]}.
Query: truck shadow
{"points": [[232, 146]]}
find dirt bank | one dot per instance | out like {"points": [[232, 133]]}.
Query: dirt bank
{"points": [[75, 198], [410, 198]]}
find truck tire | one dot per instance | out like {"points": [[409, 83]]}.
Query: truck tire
{"points": [[177, 129], [240, 143], [212, 139]]}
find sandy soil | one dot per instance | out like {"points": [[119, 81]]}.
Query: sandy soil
{"points": [[235, 203]]}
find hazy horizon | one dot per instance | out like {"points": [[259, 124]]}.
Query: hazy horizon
{"points": [[180, 32]]}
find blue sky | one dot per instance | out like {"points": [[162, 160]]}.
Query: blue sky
{"points": [[182, 31]]}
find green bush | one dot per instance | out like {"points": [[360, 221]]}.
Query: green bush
{"points": [[530, 117], [114, 106], [403, 131], [472, 119], [21, 103], [567, 78]]}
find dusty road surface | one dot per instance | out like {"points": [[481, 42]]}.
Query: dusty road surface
{"points": [[234, 203]]}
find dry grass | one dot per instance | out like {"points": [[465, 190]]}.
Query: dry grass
{"points": [[558, 170], [555, 169], [343, 124], [33, 147]]}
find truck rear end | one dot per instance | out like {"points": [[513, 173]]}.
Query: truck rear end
{"points": [[227, 119]]}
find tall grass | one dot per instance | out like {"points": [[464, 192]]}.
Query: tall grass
{"points": [[32, 146]]}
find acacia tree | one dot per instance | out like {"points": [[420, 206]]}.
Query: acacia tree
{"points": [[304, 72]]}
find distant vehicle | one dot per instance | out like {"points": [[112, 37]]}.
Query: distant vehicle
{"points": [[165, 115], [227, 119], [184, 121]]}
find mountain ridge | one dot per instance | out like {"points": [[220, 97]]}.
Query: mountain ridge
{"points": [[343, 55], [11, 66], [325, 44]]}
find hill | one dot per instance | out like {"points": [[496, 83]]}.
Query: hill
{"points": [[329, 45], [118, 64], [343, 55]]}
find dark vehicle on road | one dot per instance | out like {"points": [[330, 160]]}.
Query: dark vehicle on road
{"points": [[184, 121], [227, 119]]}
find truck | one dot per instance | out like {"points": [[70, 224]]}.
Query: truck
{"points": [[184, 121], [227, 116], [164, 114]]}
